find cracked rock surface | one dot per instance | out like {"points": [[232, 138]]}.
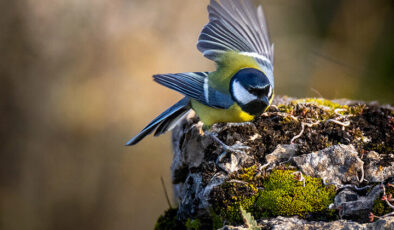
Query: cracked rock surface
{"points": [[338, 164], [350, 146], [295, 223]]}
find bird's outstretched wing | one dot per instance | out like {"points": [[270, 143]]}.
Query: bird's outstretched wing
{"points": [[195, 86], [236, 25], [164, 122]]}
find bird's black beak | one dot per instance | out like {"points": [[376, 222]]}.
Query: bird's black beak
{"points": [[256, 107]]}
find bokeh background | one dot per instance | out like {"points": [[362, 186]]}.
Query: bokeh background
{"points": [[75, 85]]}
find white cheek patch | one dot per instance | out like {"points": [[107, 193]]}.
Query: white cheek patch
{"points": [[241, 94]]}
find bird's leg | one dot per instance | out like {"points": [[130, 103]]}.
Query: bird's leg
{"points": [[237, 148], [241, 124]]}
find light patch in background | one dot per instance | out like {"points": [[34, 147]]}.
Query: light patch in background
{"points": [[76, 84]]}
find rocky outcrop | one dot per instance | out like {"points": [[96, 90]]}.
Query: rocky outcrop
{"points": [[342, 153], [338, 164], [295, 223]]}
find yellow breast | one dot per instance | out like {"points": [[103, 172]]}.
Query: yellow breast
{"points": [[229, 64], [210, 116]]}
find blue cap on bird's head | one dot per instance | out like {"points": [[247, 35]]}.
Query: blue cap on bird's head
{"points": [[252, 90]]}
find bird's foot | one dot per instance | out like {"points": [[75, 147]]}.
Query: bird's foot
{"points": [[236, 148], [230, 160], [241, 124]]}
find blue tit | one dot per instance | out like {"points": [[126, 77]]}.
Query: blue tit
{"points": [[241, 88]]}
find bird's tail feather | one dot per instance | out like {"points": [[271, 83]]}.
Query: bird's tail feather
{"points": [[164, 122]]}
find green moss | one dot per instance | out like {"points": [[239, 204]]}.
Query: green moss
{"points": [[192, 224], [289, 108], [169, 221], [380, 206], [330, 109], [356, 109], [285, 196], [280, 194], [239, 191], [380, 147], [217, 221], [321, 102]]}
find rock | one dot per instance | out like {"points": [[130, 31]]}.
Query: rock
{"points": [[190, 189], [346, 195], [234, 228], [375, 171], [282, 153], [188, 148], [203, 171], [295, 223], [215, 181], [231, 162], [337, 164], [190, 193], [355, 207]]}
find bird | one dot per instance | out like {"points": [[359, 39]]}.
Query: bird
{"points": [[241, 88]]}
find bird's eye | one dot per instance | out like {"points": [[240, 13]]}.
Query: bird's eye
{"points": [[260, 92]]}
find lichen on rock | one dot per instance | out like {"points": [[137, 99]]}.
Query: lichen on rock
{"points": [[338, 164], [315, 159]]}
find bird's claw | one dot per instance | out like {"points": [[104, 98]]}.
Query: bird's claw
{"points": [[240, 124], [237, 148]]}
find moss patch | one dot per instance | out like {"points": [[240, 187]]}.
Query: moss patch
{"points": [[193, 224], [277, 194], [285, 196], [380, 207], [331, 106], [240, 190], [169, 221], [371, 127]]}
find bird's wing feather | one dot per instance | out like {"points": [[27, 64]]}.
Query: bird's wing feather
{"points": [[195, 85], [235, 25], [164, 122]]}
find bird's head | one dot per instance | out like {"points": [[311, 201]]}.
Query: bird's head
{"points": [[251, 90]]}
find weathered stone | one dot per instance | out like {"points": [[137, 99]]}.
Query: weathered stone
{"points": [[201, 163], [188, 147], [295, 223], [230, 162], [346, 195], [375, 171], [338, 164], [190, 194], [356, 207], [216, 180], [282, 153], [189, 150], [234, 228]]}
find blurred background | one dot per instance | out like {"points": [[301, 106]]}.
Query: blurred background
{"points": [[75, 85]]}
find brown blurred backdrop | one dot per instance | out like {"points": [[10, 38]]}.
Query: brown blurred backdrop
{"points": [[75, 85]]}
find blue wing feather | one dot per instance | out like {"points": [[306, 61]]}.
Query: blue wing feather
{"points": [[195, 86], [164, 121]]}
